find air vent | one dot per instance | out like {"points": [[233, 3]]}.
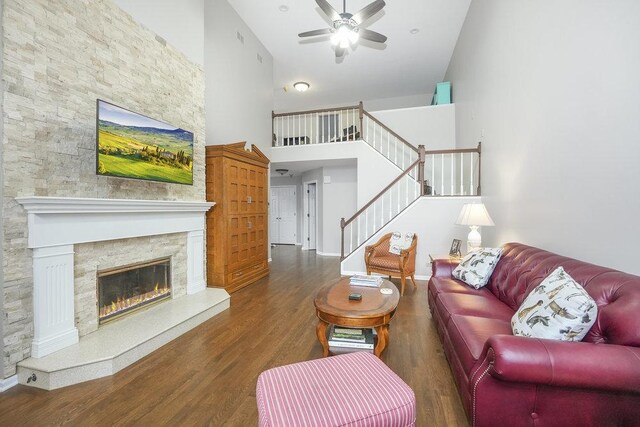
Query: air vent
{"points": [[259, 58], [240, 37]]}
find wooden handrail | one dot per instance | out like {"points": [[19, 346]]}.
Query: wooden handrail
{"points": [[344, 223], [383, 126], [453, 151], [322, 110]]}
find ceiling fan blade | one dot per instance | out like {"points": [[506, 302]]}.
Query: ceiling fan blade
{"points": [[328, 10], [315, 33], [339, 51], [368, 11], [372, 35]]}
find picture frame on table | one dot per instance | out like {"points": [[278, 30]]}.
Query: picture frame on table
{"points": [[455, 248]]}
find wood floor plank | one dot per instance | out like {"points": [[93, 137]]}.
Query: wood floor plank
{"points": [[208, 375]]}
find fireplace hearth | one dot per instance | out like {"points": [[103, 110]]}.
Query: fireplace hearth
{"points": [[128, 288]]}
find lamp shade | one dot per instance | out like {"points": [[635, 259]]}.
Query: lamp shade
{"points": [[474, 214]]}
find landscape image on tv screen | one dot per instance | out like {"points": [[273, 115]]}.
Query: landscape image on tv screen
{"points": [[131, 145]]}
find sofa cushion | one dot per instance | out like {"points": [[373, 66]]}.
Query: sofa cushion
{"points": [[438, 285], [558, 308], [468, 335], [476, 267], [472, 305]]}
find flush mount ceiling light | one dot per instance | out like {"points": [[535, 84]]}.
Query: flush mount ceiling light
{"points": [[283, 8], [414, 30], [301, 86], [282, 172]]}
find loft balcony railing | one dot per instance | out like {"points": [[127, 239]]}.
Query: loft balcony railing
{"points": [[433, 173]]}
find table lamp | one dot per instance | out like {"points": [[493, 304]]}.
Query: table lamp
{"points": [[474, 215]]}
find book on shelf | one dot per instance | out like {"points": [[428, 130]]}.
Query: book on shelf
{"points": [[363, 340], [363, 280], [350, 331]]}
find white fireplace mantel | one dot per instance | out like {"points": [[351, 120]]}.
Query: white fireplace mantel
{"points": [[55, 224]]}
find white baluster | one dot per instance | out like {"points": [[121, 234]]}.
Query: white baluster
{"points": [[462, 174], [452, 177], [471, 174], [433, 174], [441, 174]]}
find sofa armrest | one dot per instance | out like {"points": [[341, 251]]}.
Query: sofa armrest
{"points": [[565, 364], [443, 267]]}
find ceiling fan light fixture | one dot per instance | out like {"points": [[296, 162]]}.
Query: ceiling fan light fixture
{"points": [[344, 36], [301, 86]]}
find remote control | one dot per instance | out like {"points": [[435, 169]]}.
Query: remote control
{"points": [[355, 297]]}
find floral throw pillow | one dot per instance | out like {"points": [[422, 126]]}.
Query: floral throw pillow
{"points": [[476, 267], [400, 241], [558, 309]]}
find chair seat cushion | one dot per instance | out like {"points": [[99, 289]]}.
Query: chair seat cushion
{"points": [[390, 262], [355, 389]]}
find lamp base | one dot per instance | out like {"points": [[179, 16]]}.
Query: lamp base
{"points": [[474, 239]]}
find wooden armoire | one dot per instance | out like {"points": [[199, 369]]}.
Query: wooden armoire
{"points": [[237, 226]]}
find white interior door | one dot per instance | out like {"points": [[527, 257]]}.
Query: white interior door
{"points": [[283, 214], [274, 224], [287, 215], [311, 222]]}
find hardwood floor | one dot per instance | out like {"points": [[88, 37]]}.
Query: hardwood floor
{"points": [[208, 375]]}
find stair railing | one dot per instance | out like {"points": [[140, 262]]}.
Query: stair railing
{"points": [[382, 208], [387, 142], [435, 173]]}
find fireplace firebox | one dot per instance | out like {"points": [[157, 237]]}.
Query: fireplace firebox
{"points": [[124, 289]]}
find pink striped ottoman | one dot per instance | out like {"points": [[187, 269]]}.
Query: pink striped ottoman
{"points": [[355, 389]]}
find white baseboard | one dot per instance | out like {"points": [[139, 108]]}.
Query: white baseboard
{"points": [[327, 253], [269, 260], [7, 383]]}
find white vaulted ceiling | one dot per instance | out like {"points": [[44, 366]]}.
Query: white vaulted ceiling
{"points": [[406, 65]]}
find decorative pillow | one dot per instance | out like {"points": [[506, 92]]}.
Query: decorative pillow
{"points": [[558, 309], [476, 267], [399, 242]]}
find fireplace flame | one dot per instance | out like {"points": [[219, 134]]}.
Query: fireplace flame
{"points": [[121, 303]]}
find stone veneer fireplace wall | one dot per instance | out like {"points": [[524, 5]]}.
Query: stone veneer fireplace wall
{"points": [[58, 57]]}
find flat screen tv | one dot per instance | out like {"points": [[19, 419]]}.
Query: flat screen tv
{"points": [[130, 145]]}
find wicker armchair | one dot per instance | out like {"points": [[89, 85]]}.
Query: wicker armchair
{"points": [[378, 259]]}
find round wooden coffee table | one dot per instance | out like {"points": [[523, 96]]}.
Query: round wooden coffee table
{"points": [[375, 310]]}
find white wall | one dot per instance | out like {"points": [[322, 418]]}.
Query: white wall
{"points": [[431, 126], [552, 90], [432, 218], [419, 100], [339, 201], [239, 88], [2, 314], [181, 24]]}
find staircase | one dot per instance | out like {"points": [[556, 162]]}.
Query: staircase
{"points": [[421, 173]]}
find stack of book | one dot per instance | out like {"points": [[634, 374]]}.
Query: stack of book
{"points": [[342, 340], [370, 281]]}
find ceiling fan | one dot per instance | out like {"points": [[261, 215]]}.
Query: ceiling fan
{"points": [[346, 28]]}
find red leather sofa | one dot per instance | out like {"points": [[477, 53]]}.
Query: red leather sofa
{"points": [[507, 380]]}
